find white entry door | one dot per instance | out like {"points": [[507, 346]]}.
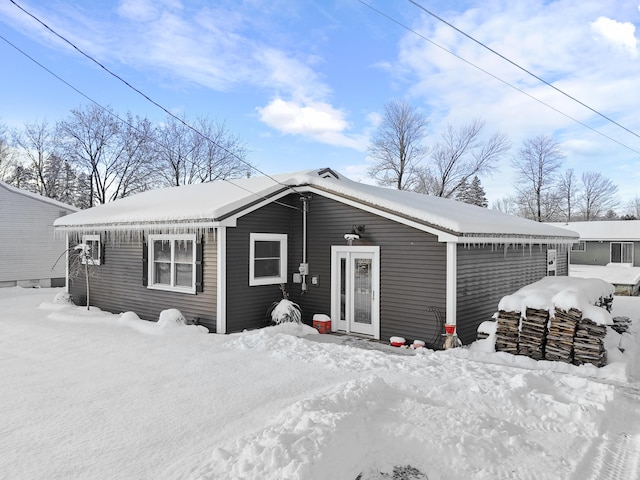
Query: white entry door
{"points": [[355, 304]]}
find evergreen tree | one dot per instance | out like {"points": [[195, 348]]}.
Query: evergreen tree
{"points": [[472, 193]]}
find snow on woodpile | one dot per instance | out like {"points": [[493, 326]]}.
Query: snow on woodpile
{"points": [[557, 318]]}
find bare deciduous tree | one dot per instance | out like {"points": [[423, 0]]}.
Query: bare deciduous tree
{"points": [[90, 140], [7, 159], [397, 147], [113, 154], [536, 165], [37, 141], [223, 155], [461, 155], [633, 207], [567, 190], [204, 153], [137, 165], [597, 195]]}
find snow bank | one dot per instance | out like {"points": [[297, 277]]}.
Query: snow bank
{"points": [[170, 322], [271, 404]]}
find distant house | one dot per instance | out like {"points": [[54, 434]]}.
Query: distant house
{"points": [[378, 262], [28, 248], [611, 244]]}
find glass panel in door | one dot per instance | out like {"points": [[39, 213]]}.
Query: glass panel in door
{"points": [[362, 290]]}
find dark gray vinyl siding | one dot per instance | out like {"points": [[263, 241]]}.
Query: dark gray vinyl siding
{"points": [[488, 273], [246, 305], [117, 286], [599, 253], [412, 268]]}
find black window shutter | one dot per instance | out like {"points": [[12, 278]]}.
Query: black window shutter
{"points": [[199, 273], [102, 249], [145, 264]]}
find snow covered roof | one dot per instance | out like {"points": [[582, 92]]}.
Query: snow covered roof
{"points": [[211, 204], [605, 230], [35, 196]]}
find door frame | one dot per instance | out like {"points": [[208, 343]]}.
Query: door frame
{"points": [[336, 250]]}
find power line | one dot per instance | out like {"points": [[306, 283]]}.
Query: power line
{"points": [[609, 119], [149, 99], [117, 117], [435, 44]]}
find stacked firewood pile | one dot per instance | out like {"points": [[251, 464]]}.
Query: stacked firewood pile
{"points": [[588, 343], [558, 320], [508, 324], [562, 330], [533, 333], [621, 324]]}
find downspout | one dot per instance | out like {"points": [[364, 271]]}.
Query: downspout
{"points": [[452, 282], [66, 264], [304, 267], [221, 301]]}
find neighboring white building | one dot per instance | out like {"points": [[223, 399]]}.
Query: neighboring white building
{"points": [[28, 247]]}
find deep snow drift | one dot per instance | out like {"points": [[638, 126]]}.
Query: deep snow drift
{"points": [[88, 394]]}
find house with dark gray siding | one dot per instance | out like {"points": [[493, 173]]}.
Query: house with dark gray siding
{"points": [[605, 242], [378, 262], [29, 251], [609, 250]]}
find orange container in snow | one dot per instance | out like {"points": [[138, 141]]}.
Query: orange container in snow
{"points": [[322, 326], [322, 323]]}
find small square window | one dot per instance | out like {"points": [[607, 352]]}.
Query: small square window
{"points": [[94, 249], [267, 259]]}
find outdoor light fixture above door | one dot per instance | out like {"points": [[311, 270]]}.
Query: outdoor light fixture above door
{"points": [[355, 233]]}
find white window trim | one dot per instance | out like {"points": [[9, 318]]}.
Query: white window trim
{"points": [[621, 248], [150, 263], [581, 246], [92, 238], [268, 237]]}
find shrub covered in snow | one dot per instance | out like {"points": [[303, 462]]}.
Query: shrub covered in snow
{"points": [[286, 311], [171, 318], [63, 297]]}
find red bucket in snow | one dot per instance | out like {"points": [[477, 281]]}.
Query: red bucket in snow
{"points": [[449, 329]]}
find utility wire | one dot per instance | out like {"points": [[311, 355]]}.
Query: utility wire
{"points": [[149, 99], [125, 122], [631, 149], [609, 119]]}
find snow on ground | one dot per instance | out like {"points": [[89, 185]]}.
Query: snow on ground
{"points": [[88, 394]]}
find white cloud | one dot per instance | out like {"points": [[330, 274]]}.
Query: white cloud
{"points": [[316, 120], [565, 42], [619, 34], [139, 10]]}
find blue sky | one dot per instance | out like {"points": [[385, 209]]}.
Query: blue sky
{"points": [[304, 82]]}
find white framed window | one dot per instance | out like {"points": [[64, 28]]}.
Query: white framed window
{"points": [[579, 247], [267, 258], [94, 249], [622, 252], [172, 263]]}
